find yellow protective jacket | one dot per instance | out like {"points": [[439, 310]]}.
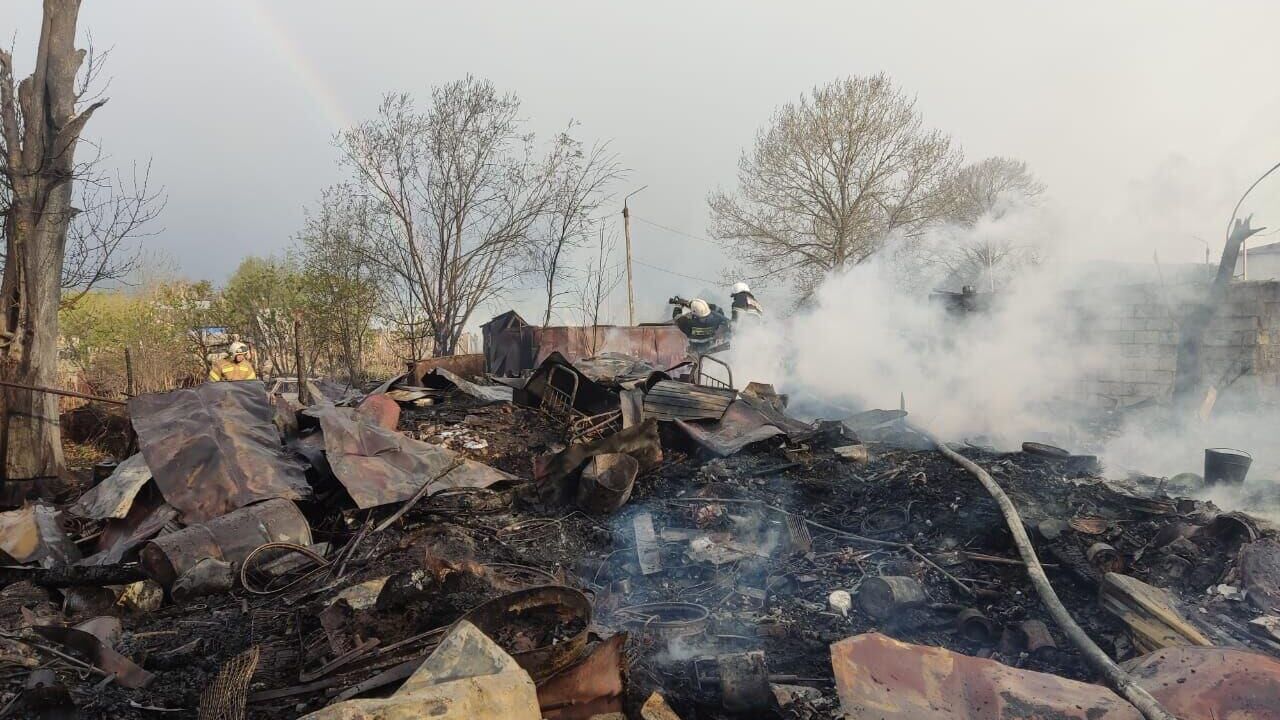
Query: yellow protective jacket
{"points": [[225, 369]]}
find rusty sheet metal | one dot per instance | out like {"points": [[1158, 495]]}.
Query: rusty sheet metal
{"points": [[147, 518], [34, 534], [880, 678], [381, 411], [1260, 570], [465, 365], [1199, 682], [590, 688], [113, 497], [673, 400], [557, 473], [516, 616], [443, 378], [741, 425], [613, 368], [661, 346], [91, 648], [379, 466], [214, 447]]}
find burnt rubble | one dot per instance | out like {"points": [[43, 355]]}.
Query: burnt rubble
{"points": [[614, 540]]}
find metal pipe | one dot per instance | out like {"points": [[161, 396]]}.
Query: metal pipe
{"points": [[55, 391]]}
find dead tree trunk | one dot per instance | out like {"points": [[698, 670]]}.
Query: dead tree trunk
{"points": [[41, 126], [1188, 380]]}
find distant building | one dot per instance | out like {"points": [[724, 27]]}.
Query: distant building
{"points": [[1263, 262]]}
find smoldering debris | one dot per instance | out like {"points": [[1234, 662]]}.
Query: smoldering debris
{"points": [[657, 568]]}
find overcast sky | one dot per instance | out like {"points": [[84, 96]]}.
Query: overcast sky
{"points": [[1145, 119]]}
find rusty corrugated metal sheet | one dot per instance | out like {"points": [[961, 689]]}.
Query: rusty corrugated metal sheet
{"points": [[662, 346], [1195, 683], [741, 425], [379, 466], [214, 447], [880, 678], [675, 400], [113, 497]]}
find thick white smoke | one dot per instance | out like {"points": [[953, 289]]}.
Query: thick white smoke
{"points": [[1019, 372], [872, 335]]}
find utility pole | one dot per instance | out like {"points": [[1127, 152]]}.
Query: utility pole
{"points": [[626, 230]]}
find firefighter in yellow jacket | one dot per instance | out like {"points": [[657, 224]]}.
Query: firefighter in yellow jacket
{"points": [[237, 367]]}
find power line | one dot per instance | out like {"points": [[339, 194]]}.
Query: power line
{"points": [[716, 283], [678, 232]]}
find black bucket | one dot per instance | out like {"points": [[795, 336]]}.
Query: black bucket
{"points": [[1226, 466]]}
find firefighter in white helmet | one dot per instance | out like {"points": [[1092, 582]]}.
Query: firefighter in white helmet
{"points": [[702, 325], [235, 367], [745, 304]]}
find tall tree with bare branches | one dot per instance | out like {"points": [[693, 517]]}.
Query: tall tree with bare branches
{"points": [[831, 178], [977, 249], [599, 279], [458, 187], [580, 180], [112, 214], [41, 119]]}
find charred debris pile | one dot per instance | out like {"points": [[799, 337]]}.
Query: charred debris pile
{"points": [[601, 539]]}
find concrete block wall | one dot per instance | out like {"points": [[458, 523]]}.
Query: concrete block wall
{"points": [[1131, 334]]}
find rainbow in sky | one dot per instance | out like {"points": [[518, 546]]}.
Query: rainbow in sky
{"points": [[312, 81]]}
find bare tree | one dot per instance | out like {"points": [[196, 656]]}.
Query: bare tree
{"points": [[600, 278], [113, 213], [458, 188], [580, 179], [40, 124], [980, 249], [991, 188], [830, 179], [401, 313]]}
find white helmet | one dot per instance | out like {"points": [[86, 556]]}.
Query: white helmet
{"points": [[740, 288], [239, 348], [699, 308]]}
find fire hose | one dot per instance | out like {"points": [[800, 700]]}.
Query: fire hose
{"points": [[1117, 678]]}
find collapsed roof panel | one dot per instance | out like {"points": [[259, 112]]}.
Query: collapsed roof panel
{"points": [[214, 447]]}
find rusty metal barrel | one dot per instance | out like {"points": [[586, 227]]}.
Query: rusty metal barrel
{"points": [[606, 482], [229, 538], [884, 597], [975, 626], [1105, 558]]}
